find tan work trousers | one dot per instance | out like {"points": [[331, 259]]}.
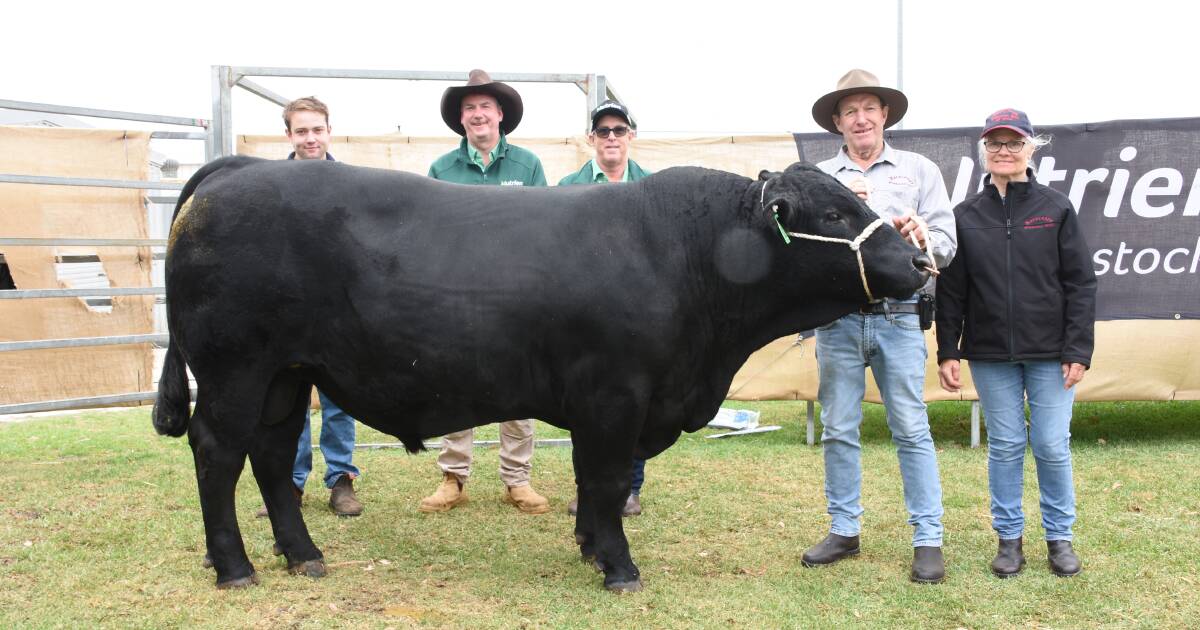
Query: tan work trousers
{"points": [[516, 449]]}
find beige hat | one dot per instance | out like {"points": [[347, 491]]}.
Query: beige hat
{"points": [[856, 82], [478, 82]]}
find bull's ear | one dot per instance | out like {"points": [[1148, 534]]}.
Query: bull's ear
{"points": [[780, 205], [802, 166], [764, 175]]}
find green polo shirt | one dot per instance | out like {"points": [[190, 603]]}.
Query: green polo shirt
{"points": [[510, 166], [591, 174]]}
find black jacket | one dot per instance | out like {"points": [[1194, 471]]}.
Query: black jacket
{"points": [[1022, 284]]}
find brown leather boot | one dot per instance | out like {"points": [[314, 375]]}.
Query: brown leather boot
{"points": [[448, 496], [633, 506], [262, 511], [526, 499], [342, 499]]}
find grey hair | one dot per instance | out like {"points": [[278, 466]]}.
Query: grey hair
{"points": [[1038, 141]]}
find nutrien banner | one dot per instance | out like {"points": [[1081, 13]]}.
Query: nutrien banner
{"points": [[1134, 183]]}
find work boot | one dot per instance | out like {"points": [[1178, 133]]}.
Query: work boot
{"points": [[1063, 561], [633, 506], [342, 499], [526, 499], [448, 496], [928, 567], [262, 511], [1009, 560], [830, 550]]}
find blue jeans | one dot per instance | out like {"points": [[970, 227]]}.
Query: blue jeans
{"points": [[1002, 388], [637, 477], [337, 445], [894, 348]]}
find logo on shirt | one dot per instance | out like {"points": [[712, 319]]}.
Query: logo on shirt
{"points": [[1038, 222], [512, 182], [901, 180]]}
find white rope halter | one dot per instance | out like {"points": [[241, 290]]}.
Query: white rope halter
{"points": [[855, 244]]}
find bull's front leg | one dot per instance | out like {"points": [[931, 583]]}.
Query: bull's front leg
{"points": [[603, 462]]}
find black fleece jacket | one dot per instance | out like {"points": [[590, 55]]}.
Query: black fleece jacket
{"points": [[1022, 285]]}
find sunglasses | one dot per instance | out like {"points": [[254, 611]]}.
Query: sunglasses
{"points": [[604, 132]]}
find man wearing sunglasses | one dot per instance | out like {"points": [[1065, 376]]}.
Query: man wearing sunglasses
{"points": [[613, 129]]}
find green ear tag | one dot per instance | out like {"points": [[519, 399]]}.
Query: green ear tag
{"points": [[782, 232]]}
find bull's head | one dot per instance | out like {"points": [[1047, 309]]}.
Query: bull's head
{"points": [[856, 255], [861, 257]]}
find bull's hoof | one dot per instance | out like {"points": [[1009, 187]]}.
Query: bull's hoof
{"points": [[276, 549], [311, 568], [207, 561], [624, 587], [242, 582]]}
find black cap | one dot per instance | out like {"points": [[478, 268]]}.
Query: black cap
{"points": [[612, 108]]}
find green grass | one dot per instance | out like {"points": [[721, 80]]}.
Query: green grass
{"points": [[100, 527]]}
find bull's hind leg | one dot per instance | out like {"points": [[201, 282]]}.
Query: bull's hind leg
{"points": [[272, 457], [219, 460], [604, 466]]}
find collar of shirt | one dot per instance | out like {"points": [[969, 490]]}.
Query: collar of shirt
{"points": [[476, 157], [845, 163], [328, 156], [598, 176]]}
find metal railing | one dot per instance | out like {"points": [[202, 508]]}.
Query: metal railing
{"points": [[162, 197], [224, 78]]}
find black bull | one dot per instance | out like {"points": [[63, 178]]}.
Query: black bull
{"points": [[620, 313]]}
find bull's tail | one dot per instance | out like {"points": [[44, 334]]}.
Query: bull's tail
{"points": [[172, 408]]}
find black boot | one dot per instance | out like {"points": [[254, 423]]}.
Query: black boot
{"points": [[1009, 560], [1063, 561], [929, 566], [830, 550]]}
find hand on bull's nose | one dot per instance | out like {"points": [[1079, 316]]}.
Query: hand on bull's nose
{"points": [[911, 227]]}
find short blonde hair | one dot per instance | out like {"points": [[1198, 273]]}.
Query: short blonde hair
{"points": [[304, 104]]}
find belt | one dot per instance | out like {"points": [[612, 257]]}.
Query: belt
{"points": [[876, 308]]}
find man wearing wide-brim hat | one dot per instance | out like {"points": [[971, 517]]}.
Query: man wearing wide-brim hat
{"points": [[907, 190], [483, 112]]}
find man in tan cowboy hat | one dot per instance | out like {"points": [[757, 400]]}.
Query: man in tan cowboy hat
{"points": [[906, 189], [483, 112]]}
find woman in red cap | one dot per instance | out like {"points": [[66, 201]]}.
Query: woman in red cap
{"points": [[1018, 302]]}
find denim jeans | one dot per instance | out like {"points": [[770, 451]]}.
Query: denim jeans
{"points": [[337, 445], [1003, 387], [637, 477], [893, 346]]}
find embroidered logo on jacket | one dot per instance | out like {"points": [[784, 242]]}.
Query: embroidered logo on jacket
{"points": [[901, 180], [1038, 222], [512, 182]]}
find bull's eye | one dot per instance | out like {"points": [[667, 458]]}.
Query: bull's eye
{"points": [[832, 216]]}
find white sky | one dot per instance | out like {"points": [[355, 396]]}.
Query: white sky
{"points": [[741, 67]]}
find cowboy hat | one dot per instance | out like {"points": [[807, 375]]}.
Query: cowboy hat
{"points": [[480, 83], [857, 82]]}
